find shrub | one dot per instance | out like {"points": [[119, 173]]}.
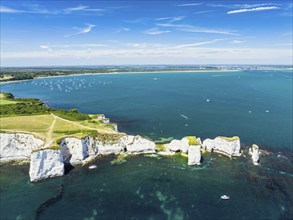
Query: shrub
{"points": [[71, 115], [192, 140]]}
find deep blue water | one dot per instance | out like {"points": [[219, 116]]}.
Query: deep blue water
{"points": [[256, 106]]}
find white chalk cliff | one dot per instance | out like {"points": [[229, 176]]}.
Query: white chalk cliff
{"points": [[74, 150], [46, 163], [138, 144], [254, 152], [18, 146], [109, 148], [178, 145], [194, 155], [227, 146]]}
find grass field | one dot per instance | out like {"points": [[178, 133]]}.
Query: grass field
{"points": [[36, 123], [51, 128], [6, 102], [50, 125]]}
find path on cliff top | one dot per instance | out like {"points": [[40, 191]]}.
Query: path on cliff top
{"points": [[79, 125], [50, 140]]}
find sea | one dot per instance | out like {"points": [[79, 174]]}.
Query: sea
{"points": [[254, 105]]}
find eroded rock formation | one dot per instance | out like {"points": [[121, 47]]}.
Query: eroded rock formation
{"points": [[18, 146], [223, 145], [45, 164]]}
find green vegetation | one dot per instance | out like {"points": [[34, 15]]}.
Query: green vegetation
{"points": [[23, 108], [108, 138], [51, 125], [120, 159], [163, 140], [71, 115], [17, 106], [160, 147], [192, 140], [181, 158], [11, 106], [5, 95], [234, 138], [12, 74], [37, 123], [7, 102]]}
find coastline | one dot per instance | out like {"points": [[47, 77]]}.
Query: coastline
{"points": [[122, 73], [145, 72]]}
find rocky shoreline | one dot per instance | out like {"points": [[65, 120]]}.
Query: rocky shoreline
{"points": [[50, 162]]}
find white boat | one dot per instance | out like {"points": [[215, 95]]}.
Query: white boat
{"points": [[225, 197], [92, 166]]}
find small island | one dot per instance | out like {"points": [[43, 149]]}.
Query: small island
{"points": [[51, 138]]}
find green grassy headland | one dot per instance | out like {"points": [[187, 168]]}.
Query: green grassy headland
{"points": [[51, 125]]}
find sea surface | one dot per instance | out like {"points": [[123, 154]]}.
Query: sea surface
{"points": [[254, 105]]}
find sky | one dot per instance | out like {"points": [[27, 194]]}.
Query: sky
{"points": [[53, 33]]}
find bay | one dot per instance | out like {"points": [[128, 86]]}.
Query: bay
{"points": [[255, 105]]}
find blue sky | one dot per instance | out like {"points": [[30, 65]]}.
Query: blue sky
{"points": [[45, 33]]}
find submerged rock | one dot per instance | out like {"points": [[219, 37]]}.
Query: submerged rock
{"points": [[254, 152], [45, 164], [194, 155], [223, 145], [18, 146]]}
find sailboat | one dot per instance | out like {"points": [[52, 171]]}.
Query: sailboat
{"points": [[225, 197]]}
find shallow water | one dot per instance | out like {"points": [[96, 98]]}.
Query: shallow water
{"points": [[257, 106], [154, 188]]}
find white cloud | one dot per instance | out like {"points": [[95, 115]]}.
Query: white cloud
{"points": [[4, 9], [201, 12], [35, 10], [124, 29], [44, 46], [198, 44], [78, 8], [237, 41], [252, 9], [253, 5], [83, 8], [171, 19], [167, 55], [190, 28], [146, 45], [155, 31], [38, 10], [71, 46], [82, 30], [189, 4]]}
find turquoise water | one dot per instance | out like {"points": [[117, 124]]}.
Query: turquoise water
{"points": [[257, 106], [154, 188]]}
